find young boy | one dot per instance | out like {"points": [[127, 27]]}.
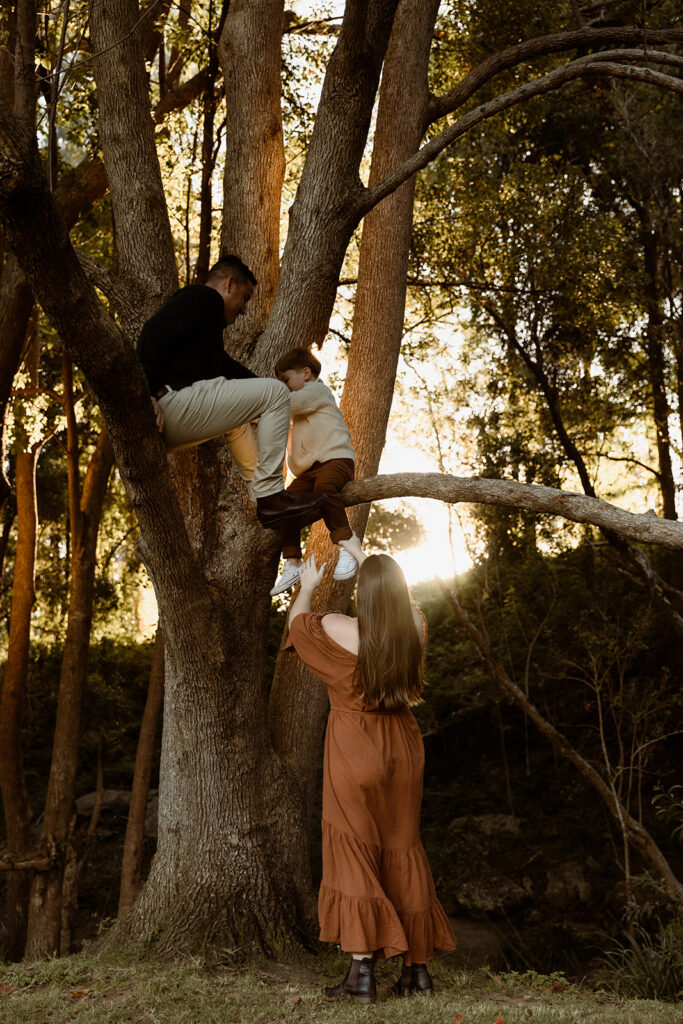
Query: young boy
{"points": [[320, 456]]}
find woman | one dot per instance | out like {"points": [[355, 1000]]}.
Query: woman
{"points": [[377, 897]]}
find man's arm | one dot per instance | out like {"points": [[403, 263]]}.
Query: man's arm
{"points": [[234, 370]]}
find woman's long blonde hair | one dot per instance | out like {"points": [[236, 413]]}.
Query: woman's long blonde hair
{"points": [[390, 651]]}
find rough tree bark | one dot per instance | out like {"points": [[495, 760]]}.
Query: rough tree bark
{"points": [[85, 512], [143, 231], [250, 54]]}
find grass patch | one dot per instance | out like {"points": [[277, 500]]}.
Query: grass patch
{"points": [[118, 989]]}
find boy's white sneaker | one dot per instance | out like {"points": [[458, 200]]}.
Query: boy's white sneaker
{"points": [[346, 567], [289, 578]]}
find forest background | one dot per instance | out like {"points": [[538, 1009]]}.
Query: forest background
{"points": [[517, 306]]}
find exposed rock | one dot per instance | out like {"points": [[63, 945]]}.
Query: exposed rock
{"points": [[567, 885], [118, 801], [112, 800], [491, 895], [478, 944], [489, 824]]}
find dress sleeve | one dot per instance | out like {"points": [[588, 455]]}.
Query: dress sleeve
{"points": [[318, 652]]}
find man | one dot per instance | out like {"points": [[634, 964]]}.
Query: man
{"points": [[199, 392]]}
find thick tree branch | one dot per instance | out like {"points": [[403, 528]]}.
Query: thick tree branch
{"points": [[537, 87], [542, 47], [579, 508], [122, 294], [182, 95]]}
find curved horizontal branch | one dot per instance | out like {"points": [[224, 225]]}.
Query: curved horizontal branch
{"points": [[543, 46], [648, 56], [537, 87], [647, 528], [25, 862]]}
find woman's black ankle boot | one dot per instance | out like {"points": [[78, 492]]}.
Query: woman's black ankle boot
{"points": [[359, 982], [414, 980], [401, 986], [420, 980]]}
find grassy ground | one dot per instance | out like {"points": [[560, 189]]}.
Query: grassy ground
{"points": [[115, 990]]}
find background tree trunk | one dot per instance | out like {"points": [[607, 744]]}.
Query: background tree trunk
{"points": [[85, 512], [131, 878], [13, 698], [16, 303], [657, 375]]}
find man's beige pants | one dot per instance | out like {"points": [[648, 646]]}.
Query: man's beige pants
{"points": [[209, 408]]}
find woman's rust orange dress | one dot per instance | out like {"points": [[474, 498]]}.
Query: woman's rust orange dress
{"points": [[377, 893]]}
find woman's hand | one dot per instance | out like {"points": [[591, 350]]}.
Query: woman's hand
{"points": [[311, 577]]}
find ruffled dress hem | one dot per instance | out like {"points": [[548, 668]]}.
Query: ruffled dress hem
{"points": [[375, 923]]}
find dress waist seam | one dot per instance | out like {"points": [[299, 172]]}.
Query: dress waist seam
{"points": [[355, 711]]}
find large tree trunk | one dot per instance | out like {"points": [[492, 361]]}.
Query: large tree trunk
{"points": [[217, 875], [250, 55], [298, 705], [85, 512], [13, 698]]}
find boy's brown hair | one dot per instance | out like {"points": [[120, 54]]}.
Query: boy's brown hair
{"points": [[297, 359]]}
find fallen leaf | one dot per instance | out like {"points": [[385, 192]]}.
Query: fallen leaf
{"points": [[557, 986], [457, 1017], [81, 993], [7, 988], [499, 1020], [293, 1000], [497, 980]]}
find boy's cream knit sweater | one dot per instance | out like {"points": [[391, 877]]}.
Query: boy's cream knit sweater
{"points": [[318, 430]]}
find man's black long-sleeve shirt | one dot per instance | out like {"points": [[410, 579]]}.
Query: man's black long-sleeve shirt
{"points": [[183, 341]]}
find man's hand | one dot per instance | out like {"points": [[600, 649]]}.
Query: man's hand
{"points": [[158, 415]]}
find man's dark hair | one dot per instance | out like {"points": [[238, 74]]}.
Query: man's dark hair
{"points": [[232, 265], [297, 359]]}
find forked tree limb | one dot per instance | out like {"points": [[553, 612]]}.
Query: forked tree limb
{"points": [[591, 65], [645, 528]]}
